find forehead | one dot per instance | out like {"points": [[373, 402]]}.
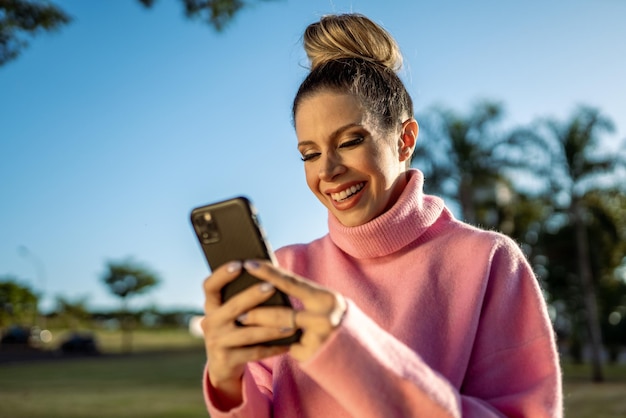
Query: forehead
{"points": [[327, 111]]}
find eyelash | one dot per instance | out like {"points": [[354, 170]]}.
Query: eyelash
{"points": [[348, 144], [352, 143], [308, 157]]}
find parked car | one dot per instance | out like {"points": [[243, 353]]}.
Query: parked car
{"points": [[17, 335], [79, 343]]}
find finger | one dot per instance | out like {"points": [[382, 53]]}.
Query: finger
{"points": [[314, 297], [316, 332], [313, 323], [299, 352], [221, 276], [248, 336], [307, 346], [223, 362], [270, 316], [241, 303], [246, 354], [287, 282]]}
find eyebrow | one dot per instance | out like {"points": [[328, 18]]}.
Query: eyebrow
{"points": [[337, 132]]}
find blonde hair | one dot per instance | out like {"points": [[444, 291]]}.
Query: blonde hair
{"points": [[350, 36], [351, 54]]}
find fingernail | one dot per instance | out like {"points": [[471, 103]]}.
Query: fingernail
{"points": [[241, 318], [266, 287], [251, 264], [233, 266]]}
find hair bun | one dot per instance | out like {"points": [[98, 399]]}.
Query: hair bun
{"points": [[350, 36]]}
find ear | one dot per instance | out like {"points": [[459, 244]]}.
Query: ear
{"points": [[408, 138]]}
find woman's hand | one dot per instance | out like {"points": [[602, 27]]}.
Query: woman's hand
{"points": [[228, 346], [322, 310]]}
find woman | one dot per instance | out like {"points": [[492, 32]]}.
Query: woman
{"points": [[405, 311]]}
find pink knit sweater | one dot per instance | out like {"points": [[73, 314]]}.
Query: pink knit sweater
{"points": [[443, 320]]}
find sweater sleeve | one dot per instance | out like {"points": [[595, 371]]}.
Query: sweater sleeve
{"points": [[513, 369], [514, 363], [372, 375], [257, 394]]}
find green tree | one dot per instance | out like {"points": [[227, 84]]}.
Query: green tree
{"points": [[571, 169], [21, 19], [607, 232], [217, 13], [465, 160], [72, 313], [126, 279], [558, 269], [18, 303]]}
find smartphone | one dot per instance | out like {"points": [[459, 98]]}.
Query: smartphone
{"points": [[228, 231]]}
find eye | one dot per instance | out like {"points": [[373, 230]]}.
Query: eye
{"points": [[309, 156], [352, 143]]}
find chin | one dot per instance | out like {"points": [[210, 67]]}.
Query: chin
{"points": [[352, 220]]}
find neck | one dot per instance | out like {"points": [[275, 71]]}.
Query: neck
{"points": [[403, 222]]}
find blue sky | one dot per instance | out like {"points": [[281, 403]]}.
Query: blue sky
{"points": [[113, 129]]}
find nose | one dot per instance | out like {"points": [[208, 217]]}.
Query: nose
{"points": [[331, 166]]}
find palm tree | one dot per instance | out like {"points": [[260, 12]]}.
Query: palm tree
{"points": [[557, 264], [607, 231], [571, 169], [464, 160]]}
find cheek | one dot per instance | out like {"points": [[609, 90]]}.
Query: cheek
{"points": [[388, 164], [310, 177]]}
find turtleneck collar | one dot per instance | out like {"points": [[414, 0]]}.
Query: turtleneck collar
{"points": [[411, 215]]}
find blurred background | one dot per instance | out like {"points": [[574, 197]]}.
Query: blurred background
{"points": [[117, 118]]}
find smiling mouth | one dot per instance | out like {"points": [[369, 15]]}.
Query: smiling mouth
{"points": [[346, 194]]}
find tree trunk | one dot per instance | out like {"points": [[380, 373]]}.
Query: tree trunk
{"points": [[466, 198], [126, 326], [589, 294], [127, 335]]}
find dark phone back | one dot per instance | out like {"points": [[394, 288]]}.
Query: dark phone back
{"points": [[229, 231]]}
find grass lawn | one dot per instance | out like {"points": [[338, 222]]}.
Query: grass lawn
{"points": [[167, 384], [143, 340], [158, 384], [161, 377], [584, 399]]}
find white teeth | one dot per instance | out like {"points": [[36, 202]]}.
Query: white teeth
{"points": [[344, 194]]}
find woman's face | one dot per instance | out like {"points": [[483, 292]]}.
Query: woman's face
{"points": [[351, 165]]}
